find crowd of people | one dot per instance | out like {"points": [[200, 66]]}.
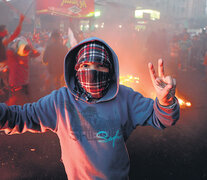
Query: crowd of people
{"points": [[188, 52], [16, 52], [182, 51], [20, 50], [185, 51]]}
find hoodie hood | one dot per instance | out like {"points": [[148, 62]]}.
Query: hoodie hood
{"points": [[69, 67]]}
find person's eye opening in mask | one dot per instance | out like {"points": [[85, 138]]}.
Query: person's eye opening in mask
{"points": [[93, 66]]}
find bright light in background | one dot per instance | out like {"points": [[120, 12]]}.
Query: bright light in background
{"points": [[81, 27], [97, 13], [139, 13], [90, 14], [120, 26], [140, 27], [84, 25], [96, 25], [141, 22], [128, 79], [188, 104], [102, 25], [184, 103], [181, 102]]}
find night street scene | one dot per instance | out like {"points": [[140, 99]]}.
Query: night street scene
{"points": [[49, 47]]}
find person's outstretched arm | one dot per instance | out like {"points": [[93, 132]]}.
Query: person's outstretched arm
{"points": [[33, 117]]}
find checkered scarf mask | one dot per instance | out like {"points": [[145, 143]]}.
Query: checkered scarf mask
{"points": [[94, 84]]}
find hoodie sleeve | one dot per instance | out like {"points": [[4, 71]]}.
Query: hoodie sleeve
{"points": [[145, 111], [35, 117]]}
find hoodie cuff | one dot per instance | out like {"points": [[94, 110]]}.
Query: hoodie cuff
{"points": [[167, 107]]}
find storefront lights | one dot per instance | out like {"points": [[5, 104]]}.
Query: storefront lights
{"points": [[154, 15], [97, 13]]}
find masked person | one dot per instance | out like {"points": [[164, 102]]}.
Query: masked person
{"points": [[93, 116]]}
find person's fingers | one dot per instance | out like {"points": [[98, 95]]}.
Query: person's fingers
{"points": [[172, 90], [169, 81], [161, 68], [174, 83], [152, 72], [168, 87], [159, 82]]}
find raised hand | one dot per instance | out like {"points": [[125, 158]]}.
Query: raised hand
{"points": [[21, 18], [164, 85]]}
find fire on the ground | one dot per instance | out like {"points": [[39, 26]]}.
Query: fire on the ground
{"points": [[132, 81]]}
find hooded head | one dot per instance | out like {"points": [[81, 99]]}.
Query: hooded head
{"points": [[91, 70], [55, 35], [22, 46], [23, 50]]}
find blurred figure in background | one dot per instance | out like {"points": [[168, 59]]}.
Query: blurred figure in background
{"points": [[151, 47], [185, 46], [19, 53], [196, 55], [205, 64], [81, 36], [203, 42], [174, 53], [5, 38], [53, 57], [162, 44]]}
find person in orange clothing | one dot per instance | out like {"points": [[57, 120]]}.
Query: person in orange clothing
{"points": [[5, 39], [19, 53]]}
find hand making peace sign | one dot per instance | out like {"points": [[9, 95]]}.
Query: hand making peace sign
{"points": [[164, 85]]}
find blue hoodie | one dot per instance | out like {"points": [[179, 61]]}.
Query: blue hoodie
{"points": [[92, 134]]}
